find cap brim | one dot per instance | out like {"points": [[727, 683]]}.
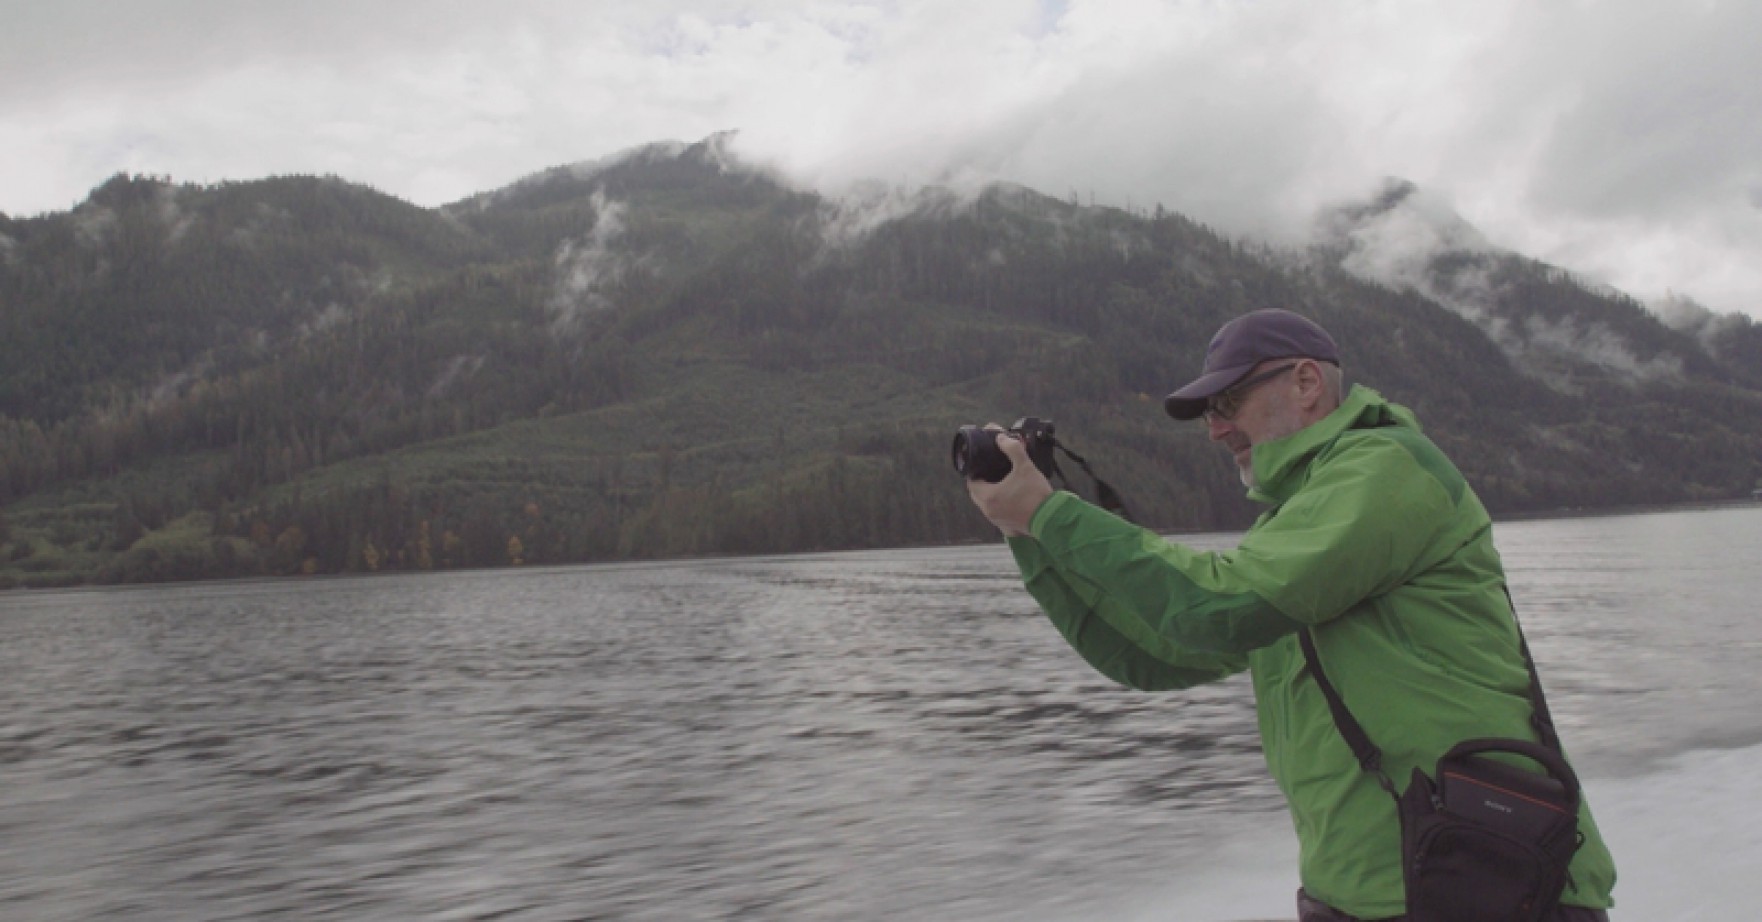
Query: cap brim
{"points": [[1189, 402]]}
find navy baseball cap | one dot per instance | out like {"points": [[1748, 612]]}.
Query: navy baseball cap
{"points": [[1244, 343]]}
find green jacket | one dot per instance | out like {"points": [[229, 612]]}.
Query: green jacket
{"points": [[1372, 539]]}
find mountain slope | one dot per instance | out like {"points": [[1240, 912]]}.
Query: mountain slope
{"points": [[672, 353]]}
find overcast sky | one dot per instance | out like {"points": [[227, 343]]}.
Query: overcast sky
{"points": [[1621, 139]]}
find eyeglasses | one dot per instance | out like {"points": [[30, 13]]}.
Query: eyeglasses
{"points": [[1226, 404]]}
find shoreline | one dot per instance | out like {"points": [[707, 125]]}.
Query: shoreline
{"points": [[1569, 512], [1593, 512]]}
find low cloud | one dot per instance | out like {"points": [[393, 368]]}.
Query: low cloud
{"points": [[1396, 239], [1619, 138], [93, 225], [171, 215], [1542, 345], [589, 268], [458, 368], [332, 315], [1687, 315], [849, 217]]}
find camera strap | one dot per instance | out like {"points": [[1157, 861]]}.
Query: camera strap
{"points": [[1105, 495]]}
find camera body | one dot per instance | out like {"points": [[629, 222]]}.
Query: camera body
{"points": [[977, 457]]}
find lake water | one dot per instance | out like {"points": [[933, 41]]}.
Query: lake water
{"points": [[885, 735]]}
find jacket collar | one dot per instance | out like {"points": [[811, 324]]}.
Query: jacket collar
{"points": [[1279, 465]]}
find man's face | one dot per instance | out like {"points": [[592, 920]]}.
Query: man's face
{"points": [[1264, 412]]}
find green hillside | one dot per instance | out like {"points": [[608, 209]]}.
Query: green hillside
{"points": [[672, 354]]}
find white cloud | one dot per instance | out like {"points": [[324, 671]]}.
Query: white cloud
{"points": [[587, 267], [1620, 138]]}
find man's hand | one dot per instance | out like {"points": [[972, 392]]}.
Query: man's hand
{"points": [[1011, 502]]}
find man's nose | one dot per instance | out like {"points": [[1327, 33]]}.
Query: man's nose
{"points": [[1216, 426]]}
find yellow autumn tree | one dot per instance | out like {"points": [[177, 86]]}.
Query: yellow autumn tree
{"points": [[424, 547], [370, 555], [452, 548]]}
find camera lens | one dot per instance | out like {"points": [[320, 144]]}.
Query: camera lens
{"points": [[976, 455]]}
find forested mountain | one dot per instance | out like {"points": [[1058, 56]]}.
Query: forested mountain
{"points": [[671, 353]]}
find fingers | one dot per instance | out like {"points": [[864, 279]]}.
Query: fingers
{"points": [[1010, 503], [1015, 450], [1002, 507]]}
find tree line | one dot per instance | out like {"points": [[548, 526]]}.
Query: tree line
{"points": [[361, 385]]}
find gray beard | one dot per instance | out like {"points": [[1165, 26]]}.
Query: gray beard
{"points": [[1287, 426]]}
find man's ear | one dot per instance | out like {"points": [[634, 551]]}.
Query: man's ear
{"points": [[1311, 386]]}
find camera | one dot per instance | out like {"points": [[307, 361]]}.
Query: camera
{"points": [[977, 457]]}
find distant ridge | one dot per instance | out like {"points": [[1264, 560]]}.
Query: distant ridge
{"points": [[670, 352]]}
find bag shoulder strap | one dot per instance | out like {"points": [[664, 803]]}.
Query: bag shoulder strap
{"points": [[1540, 718], [1369, 757]]}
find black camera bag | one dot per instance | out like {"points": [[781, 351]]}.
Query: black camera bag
{"points": [[1485, 840], [1481, 839]]}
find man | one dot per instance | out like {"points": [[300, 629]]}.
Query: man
{"points": [[1372, 540]]}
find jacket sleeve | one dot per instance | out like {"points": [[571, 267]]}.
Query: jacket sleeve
{"points": [[1366, 520], [1112, 653]]}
